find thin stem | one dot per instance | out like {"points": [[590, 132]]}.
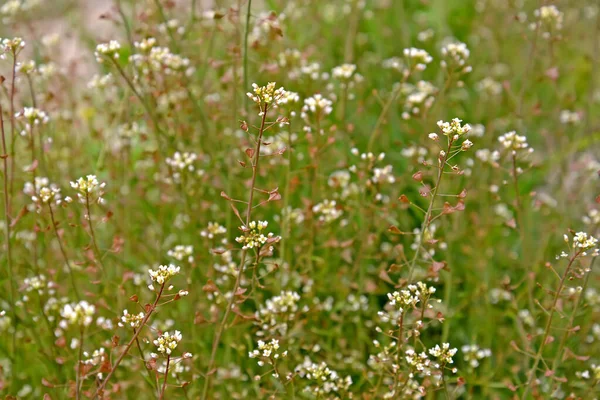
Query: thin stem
{"points": [[78, 370], [94, 243], [64, 254], [538, 357], [565, 336], [139, 347], [133, 339], [221, 327], [246, 34], [12, 127], [427, 219], [7, 225], [140, 98], [164, 386]]}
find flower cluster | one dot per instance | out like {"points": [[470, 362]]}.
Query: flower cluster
{"points": [[584, 241], [167, 342], [594, 375], [89, 189], [419, 98], [418, 57], [77, 314], [453, 128], [132, 320], [181, 252], [213, 229], [181, 163], [473, 354], [316, 104], [32, 117], [323, 380], [267, 95], [550, 18], [456, 56], [328, 211], [159, 59], [568, 117], [163, 273], [43, 192], [444, 353], [344, 71], [267, 350], [38, 283], [253, 236], [514, 142], [109, 50], [13, 46], [277, 312]]}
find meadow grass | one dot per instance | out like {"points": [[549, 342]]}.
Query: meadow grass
{"points": [[368, 199]]}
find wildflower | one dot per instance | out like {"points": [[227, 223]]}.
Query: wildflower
{"points": [[32, 117], [339, 179], [268, 350], [473, 354], [90, 189], [78, 313], [100, 81], [44, 192], [267, 95], [13, 46], [570, 117], [180, 252], [278, 311], [584, 241], [322, 379], [419, 98], [213, 229], [514, 142], [26, 68], [317, 104], [109, 50], [343, 71], [383, 175], [457, 55], [132, 320], [182, 161], [166, 342], [418, 361], [163, 273], [443, 353], [454, 128], [551, 19], [254, 237], [489, 86], [418, 57], [466, 145], [328, 210], [38, 284]]}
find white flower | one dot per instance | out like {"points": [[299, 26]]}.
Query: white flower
{"points": [[110, 49], [132, 320], [163, 273], [90, 189], [78, 313], [254, 237], [166, 342]]}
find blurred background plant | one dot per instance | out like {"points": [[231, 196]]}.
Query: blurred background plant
{"points": [[300, 199]]}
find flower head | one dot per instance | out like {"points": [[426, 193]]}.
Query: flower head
{"points": [[167, 342], [163, 273], [89, 188], [78, 313]]}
